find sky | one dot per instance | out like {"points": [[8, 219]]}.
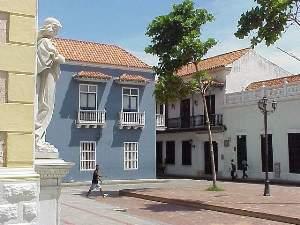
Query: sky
{"points": [[124, 23]]}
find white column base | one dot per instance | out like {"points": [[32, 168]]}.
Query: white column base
{"points": [[19, 196], [51, 172]]}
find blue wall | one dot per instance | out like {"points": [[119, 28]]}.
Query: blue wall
{"points": [[63, 133]]}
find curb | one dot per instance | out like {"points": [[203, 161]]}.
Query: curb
{"points": [[111, 182], [200, 205], [239, 180]]}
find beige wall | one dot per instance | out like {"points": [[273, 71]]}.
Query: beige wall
{"points": [[17, 68]]}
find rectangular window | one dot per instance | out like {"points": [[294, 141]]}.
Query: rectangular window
{"points": [[186, 153], [241, 141], [130, 99], [88, 97], [3, 27], [130, 156], [270, 153], [294, 152], [87, 155], [170, 152]]}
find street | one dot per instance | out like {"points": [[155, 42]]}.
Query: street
{"points": [[77, 209]]}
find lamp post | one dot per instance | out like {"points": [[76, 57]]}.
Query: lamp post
{"points": [[263, 106]]}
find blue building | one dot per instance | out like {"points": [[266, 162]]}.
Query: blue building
{"points": [[104, 112]]}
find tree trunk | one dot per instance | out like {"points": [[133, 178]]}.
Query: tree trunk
{"points": [[213, 168]]}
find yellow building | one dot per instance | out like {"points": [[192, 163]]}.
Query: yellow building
{"points": [[20, 184]]}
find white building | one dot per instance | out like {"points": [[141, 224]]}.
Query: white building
{"points": [[244, 136], [183, 144]]}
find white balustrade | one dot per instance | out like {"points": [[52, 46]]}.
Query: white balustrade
{"points": [[160, 121], [246, 97], [91, 117], [134, 119]]}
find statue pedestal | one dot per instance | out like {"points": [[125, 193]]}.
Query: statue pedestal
{"points": [[51, 172], [46, 155]]}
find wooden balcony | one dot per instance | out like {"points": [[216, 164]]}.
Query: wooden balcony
{"points": [[195, 123], [91, 118], [131, 120], [160, 122]]}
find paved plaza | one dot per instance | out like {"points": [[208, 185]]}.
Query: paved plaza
{"points": [[118, 210]]}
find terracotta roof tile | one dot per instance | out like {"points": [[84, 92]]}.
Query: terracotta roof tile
{"points": [[92, 75], [90, 52], [278, 82], [213, 62], [134, 78]]}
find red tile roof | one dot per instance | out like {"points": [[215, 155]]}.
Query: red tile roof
{"points": [[92, 75], [213, 62], [131, 77], [90, 52], [273, 82]]}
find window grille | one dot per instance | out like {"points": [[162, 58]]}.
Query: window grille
{"points": [[130, 155], [87, 155]]}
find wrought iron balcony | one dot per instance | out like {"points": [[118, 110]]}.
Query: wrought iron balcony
{"points": [[160, 122], [131, 120], [91, 118], [198, 121]]}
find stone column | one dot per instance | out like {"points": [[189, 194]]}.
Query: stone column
{"points": [[51, 172]]}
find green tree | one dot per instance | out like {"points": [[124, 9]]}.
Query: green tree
{"points": [[268, 20], [175, 39]]}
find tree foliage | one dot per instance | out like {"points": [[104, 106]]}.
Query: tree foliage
{"points": [[175, 39], [268, 20]]}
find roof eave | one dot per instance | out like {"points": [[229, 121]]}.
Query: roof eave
{"points": [[110, 66], [118, 81], [91, 79]]}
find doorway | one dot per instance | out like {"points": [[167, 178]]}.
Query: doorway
{"points": [[185, 113], [211, 108], [241, 150], [159, 157]]}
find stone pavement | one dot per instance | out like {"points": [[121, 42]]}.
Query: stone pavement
{"points": [[76, 209], [115, 210], [239, 198]]}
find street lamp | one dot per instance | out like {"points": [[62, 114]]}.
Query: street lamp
{"points": [[263, 106]]}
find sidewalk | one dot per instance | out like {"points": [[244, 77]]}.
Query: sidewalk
{"points": [[238, 198]]}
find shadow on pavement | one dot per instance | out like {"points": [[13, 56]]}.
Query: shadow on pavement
{"points": [[110, 194], [168, 207]]}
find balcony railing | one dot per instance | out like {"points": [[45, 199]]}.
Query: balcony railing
{"points": [[194, 121], [91, 118], [132, 119], [160, 122]]}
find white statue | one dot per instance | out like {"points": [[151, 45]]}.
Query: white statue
{"points": [[48, 70]]}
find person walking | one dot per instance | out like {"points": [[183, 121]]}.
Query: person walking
{"points": [[95, 182], [245, 166], [233, 170]]}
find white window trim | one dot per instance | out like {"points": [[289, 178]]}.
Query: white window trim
{"points": [[137, 155], [80, 85], [138, 97], [80, 150]]}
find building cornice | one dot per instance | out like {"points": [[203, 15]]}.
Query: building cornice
{"points": [[96, 65]]}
